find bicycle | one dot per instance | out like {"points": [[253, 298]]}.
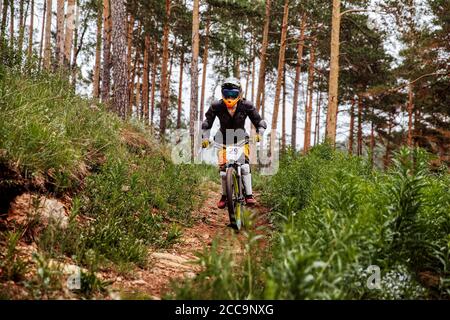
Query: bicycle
{"points": [[235, 158]]}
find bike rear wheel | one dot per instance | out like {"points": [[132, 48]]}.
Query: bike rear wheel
{"points": [[234, 204]]}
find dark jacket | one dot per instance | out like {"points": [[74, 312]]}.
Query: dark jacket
{"points": [[232, 127]]}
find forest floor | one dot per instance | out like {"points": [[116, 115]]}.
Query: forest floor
{"points": [[178, 262], [164, 265]]}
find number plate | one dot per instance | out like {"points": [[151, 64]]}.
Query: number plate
{"points": [[234, 153]]}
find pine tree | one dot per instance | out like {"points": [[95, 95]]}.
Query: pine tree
{"points": [[119, 39]]}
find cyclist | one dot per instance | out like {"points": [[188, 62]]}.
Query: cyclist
{"points": [[232, 111]]}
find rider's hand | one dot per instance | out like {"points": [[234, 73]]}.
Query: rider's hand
{"points": [[205, 143], [257, 137]]}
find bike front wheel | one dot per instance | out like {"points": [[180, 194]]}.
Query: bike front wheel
{"points": [[235, 206]]}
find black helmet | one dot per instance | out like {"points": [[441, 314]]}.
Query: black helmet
{"points": [[231, 91]]}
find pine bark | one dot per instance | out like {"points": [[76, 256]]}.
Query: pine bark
{"points": [[31, 28], [98, 53], [22, 18], [372, 140], [205, 67], [106, 73], [298, 70], [131, 68], [41, 44], [253, 75], [309, 105], [68, 40], [60, 32], [263, 56], [359, 140], [317, 127], [48, 30], [3, 23], [283, 117], [164, 75], [145, 80], [119, 38], [194, 74], [180, 91], [334, 74], [410, 114], [154, 69], [11, 24], [280, 75], [352, 128], [76, 48]]}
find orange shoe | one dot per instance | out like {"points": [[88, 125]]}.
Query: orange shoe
{"points": [[222, 202], [250, 200]]}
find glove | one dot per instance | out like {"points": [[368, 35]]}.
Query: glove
{"points": [[205, 143], [257, 137]]}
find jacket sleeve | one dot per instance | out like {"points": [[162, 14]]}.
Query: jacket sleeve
{"points": [[207, 124], [256, 118]]}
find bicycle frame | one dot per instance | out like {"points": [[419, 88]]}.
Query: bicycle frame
{"points": [[236, 164]]}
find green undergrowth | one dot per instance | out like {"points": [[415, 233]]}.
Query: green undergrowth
{"points": [[125, 192], [343, 231]]}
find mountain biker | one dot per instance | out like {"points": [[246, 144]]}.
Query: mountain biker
{"points": [[232, 111]]}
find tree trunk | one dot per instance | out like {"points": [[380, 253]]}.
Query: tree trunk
{"points": [[410, 114], [253, 76], [164, 75], [317, 127], [180, 91], [98, 52], [387, 155], [263, 57], [359, 142], [247, 80], [205, 67], [352, 128], [119, 38], [132, 80], [372, 140], [106, 76], [30, 36], [70, 25], [334, 74], [145, 91], [22, 18], [130, 42], [194, 74], [41, 45], [298, 70], [308, 117], [48, 30], [280, 75], [263, 103], [283, 112], [3, 24], [131, 69], [76, 48], [60, 32], [171, 55], [154, 69], [237, 68], [138, 92], [11, 24]]}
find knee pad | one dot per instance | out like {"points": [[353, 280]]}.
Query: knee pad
{"points": [[245, 169]]}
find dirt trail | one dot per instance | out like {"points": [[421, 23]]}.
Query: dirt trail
{"points": [[177, 262]]}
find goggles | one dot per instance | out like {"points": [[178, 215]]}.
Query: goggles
{"points": [[230, 93]]}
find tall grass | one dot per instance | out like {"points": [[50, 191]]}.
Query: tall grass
{"points": [[123, 186], [335, 218]]}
